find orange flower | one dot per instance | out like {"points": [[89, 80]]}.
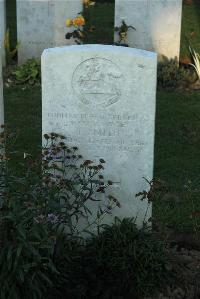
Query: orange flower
{"points": [[79, 21]]}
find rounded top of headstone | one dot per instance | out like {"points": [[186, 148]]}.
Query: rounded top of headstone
{"points": [[101, 48]]}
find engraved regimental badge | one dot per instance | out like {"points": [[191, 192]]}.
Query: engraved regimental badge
{"points": [[97, 82]]}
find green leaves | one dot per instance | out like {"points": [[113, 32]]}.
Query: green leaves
{"points": [[121, 262], [196, 59], [172, 75], [47, 200], [27, 250], [28, 73]]}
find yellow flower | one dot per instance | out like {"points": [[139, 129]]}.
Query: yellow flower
{"points": [[69, 22], [79, 21]]}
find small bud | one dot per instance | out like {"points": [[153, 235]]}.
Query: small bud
{"points": [[118, 204], [101, 189], [46, 136], [102, 161], [87, 162]]}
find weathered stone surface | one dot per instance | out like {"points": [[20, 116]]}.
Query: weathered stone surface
{"points": [[2, 28], [1, 94], [102, 98], [157, 23], [41, 25]]}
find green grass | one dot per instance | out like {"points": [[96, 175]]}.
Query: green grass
{"points": [[101, 17], [177, 136], [177, 144], [23, 114]]}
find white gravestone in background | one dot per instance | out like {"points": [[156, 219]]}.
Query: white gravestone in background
{"points": [[41, 25], [1, 94], [102, 98], [2, 28], [157, 24]]}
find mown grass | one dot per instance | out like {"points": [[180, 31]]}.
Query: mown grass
{"points": [[177, 136], [23, 111], [177, 143]]}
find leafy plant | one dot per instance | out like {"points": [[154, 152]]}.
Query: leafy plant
{"points": [[81, 24], [196, 59], [28, 73], [123, 32], [121, 262], [10, 53], [78, 33], [176, 209], [76, 182], [46, 200], [172, 75]]}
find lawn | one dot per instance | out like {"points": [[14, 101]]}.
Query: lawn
{"points": [[177, 136], [177, 143], [23, 113]]}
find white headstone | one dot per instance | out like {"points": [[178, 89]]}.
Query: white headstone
{"points": [[157, 24], [2, 28], [1, 94], [41, 25], [102, 98]]}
